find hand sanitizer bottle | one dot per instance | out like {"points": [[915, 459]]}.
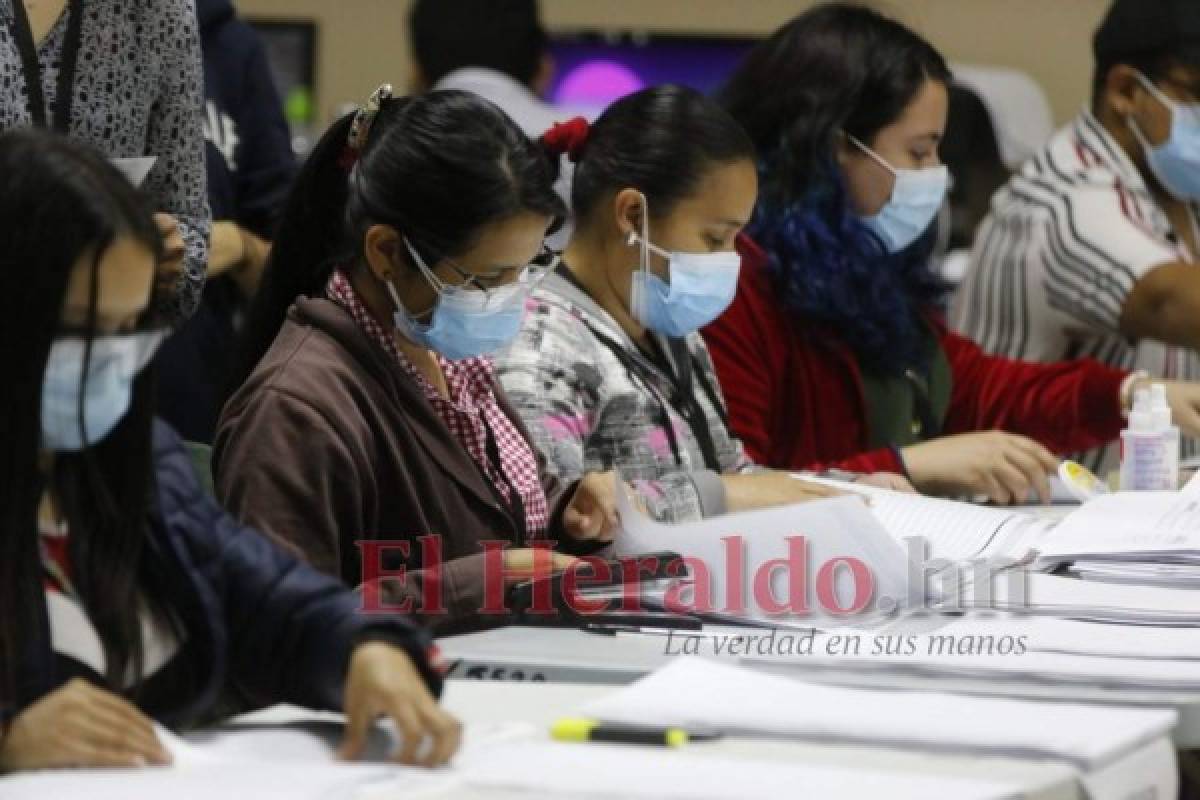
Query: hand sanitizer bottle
{"points": [[1150, 445]]}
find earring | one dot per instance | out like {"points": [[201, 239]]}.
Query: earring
{"points": [[631, 239]]}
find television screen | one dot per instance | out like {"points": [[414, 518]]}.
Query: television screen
{"points": [[593, 69]]}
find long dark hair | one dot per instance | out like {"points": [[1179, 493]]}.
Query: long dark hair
{"points": [[61, 202], [661, 141], [837, 68], [438, 167]]}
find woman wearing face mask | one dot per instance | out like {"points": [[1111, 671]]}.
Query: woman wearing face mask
{"points": [[126, 594], [409, 248], [608, 370], [834, 352]]}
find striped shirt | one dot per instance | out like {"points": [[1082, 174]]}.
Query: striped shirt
{"points": [[1058, 256]]}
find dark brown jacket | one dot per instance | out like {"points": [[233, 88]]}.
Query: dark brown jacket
{"points": [[330, 442]]}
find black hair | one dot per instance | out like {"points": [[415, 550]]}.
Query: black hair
{"points": [[837, 69], [840, 67], [660, 141], [438, 167], [1154, 64], [63, 202], [504, 35]]}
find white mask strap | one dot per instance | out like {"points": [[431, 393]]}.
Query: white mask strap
{"points": [[878, 159], [1156, 92]]}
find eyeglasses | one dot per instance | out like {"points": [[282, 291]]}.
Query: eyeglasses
{"points": [[533, 273]]}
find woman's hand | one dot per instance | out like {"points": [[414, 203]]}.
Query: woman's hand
{"points": [[79, 725], [526, 563], [887, 480], [591, 516], [1003, 466], [764, 489], [1184, 400], [174, 252], [383, 682]]}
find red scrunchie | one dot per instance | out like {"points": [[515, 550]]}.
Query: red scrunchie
{"points": [[567, 138]]}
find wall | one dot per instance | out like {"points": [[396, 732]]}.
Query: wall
{"points": [[364, 42]]}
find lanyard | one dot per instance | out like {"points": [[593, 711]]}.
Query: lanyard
{"points": [[64, 100]]}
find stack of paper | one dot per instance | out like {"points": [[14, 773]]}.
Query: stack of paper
{"points": [[1151, 537], [1180, 576], [691, 691], [1096, 601]]}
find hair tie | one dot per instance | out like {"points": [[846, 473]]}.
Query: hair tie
{"points": [[567, 138], [360, 126]]}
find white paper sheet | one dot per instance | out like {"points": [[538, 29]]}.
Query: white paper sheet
{"points": [[955, 531], [837, 528], [1140, 526], [548, 769], [700, 692], [135, 169], [1093, 600]]}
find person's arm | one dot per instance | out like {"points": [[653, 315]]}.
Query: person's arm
{"points": [[1164, 305], [284, 469], [1102, 270], [241, 254], [291, 627], [1066, 406], [178, 183], [263, 168]]}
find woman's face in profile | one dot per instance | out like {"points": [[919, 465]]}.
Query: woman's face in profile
{"points": [[910, 142]]}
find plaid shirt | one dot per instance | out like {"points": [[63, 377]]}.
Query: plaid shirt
{"points": [[470, 413]]}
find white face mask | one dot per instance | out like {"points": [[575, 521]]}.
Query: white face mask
{"points": [[104, 392], [1175, 162], [702, 286], [466, 322], [916, 199]]}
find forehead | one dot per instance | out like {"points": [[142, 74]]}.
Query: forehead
{"points": [[508, 241], [123, 275], [926, 113], [724, 193]]}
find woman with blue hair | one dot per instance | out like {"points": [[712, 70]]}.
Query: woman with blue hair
{"points": [[834, 353]]}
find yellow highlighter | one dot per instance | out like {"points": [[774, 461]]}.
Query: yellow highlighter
{"points": [[578, 729]]}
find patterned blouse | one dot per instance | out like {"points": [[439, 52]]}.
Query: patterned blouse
{"points": [[472, 414], [593, 401], [138, 91]]}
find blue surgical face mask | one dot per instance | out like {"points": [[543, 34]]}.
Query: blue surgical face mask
{"points": [[702, 285], [106, 389], [1175, 162], [466, 322], [916, 198]]}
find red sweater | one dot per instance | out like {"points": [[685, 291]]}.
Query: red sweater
{"points": [[795, 391]]}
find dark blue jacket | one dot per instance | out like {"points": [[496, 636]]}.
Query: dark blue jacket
{"points": [[250, 160], [256, 619]]}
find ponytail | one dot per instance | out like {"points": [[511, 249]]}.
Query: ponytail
{"points": [[305, 248], [437, 167]]}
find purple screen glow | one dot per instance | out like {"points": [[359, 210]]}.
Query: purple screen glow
{"points": [[592, 71]]}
